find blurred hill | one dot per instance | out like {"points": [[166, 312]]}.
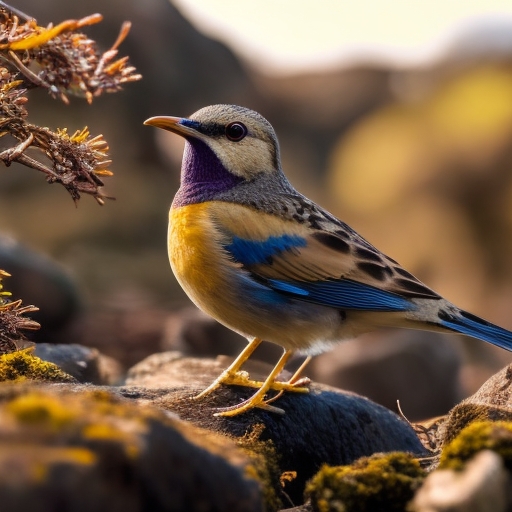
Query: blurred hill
{"points": [[418, 160]]}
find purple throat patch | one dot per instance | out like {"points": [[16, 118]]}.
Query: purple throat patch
{"points": [[203, 175]]}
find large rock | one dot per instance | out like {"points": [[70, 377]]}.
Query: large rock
{"points": [[419, 369], [77, 448], [492, 402], [324, 426], [480, 487]]}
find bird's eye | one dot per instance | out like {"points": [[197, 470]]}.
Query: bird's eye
{"points": [[236, 131]]}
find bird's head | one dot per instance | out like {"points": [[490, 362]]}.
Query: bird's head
{"points": [[226, 145]]}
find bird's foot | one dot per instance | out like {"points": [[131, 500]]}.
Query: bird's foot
{"points": [[233, 376], [295, 382], [256, 400], [241, 378]]}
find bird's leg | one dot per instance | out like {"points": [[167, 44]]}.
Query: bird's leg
{"points": [[258, 399], [230, 374], [296, 381]]}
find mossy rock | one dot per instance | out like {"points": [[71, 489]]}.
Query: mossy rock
{"points": [[383, 482], [479, 435], [71, 447], [22, 365], [324, 426]]}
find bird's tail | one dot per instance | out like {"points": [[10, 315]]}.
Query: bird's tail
{"points": [[471, 325]]}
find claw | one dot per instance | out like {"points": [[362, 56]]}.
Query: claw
{"points": [[234, 377], [258, 399]]}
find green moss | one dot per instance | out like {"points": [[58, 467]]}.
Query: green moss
{"points": [[480, 435], [383, 482], [22, 365]]}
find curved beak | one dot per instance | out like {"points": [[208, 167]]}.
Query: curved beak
{"points": [[179, 125]]}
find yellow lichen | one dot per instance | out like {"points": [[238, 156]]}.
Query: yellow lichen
{"points": [[22, 365], [32, 461], [384, 482], [111, 432], [47, 455], [479, 435], [41, 410], [89, 418]]}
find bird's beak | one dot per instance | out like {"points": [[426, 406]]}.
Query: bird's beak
{"points": [[179, 125]]}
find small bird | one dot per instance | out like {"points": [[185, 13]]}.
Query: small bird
{"points": [[270, 264]]}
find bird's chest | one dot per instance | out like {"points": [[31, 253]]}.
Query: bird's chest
{"points": [[194, 251]]}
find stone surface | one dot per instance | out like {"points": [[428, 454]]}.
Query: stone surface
{"points": [[383, 482], [84, 363], [480, 487], [419, 369], [150, 446], [84, 449], [493, 401], [325, 426]]}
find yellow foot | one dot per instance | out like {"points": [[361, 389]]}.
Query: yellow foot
{"points": [[242, 379], [234, 377], [258, 399], [295, 382], [251, 403], [227, 374]]}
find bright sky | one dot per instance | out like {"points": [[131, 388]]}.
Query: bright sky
{"points": [[282, 35]]}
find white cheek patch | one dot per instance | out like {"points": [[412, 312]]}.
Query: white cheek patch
{"points": [[246, 158]]}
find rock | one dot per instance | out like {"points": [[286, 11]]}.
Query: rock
{"points": [[80, 448], [23, 365], [480, 487], [493, 402], [84, 363], [325, 426], [380, 482], [419, 369], [478, 436], [127, 332]]}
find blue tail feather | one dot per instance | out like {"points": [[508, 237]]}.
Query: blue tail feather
{"points": [[476, 327]]}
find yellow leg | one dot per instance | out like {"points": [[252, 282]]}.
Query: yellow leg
{"points": [[230, 374], [258, 399], [294, 381]]}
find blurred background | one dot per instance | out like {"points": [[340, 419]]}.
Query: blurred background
{"points": [[396, 116]]}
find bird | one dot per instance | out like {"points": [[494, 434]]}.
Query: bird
{"points": [[270, 264]]}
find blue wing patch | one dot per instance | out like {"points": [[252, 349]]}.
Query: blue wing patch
{"points": [[252, 252], [341, 293], [344, 294]]}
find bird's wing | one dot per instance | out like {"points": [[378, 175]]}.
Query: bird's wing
{"points": [[315, 265]]}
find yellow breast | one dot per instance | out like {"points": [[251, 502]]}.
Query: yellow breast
{"points": [[195, 254]]}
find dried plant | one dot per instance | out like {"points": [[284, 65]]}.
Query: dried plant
{"points": [[64, 62], [13, 321]]}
